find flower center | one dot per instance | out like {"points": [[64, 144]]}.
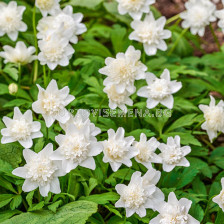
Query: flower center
{"points": [[172, 155], [45, 4], [159, 89], [215, 118], [134, 196], [198, 16], [115, 150], [51, 104], [133, 5], [20, 129], [114, 96], [179, 219], [41, 170], [122, 71], [75, 148], [148, 33], [53, 51], [10, 20], [144, 153]]}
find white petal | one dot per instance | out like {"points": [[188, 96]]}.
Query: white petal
{"points": [[89, 163]]}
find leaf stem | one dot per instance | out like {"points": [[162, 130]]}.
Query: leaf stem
{"points": [[170, 20], [126, 175], [215, 37], [177, 41], [45, 76], [36, 45]]}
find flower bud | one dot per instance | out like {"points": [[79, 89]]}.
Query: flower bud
{"points": [[13, 88]]}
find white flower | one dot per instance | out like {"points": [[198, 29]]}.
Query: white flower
{"points": [[48, 6], [40, 171], [214, 118], [174, 211], [219, 199], [20, 54], [70, 23], [151, 33], [140, 194], [55, 51], [118, 150], [51, 103], [220, 15], [159, 90], [77, 147], [124, 70], [198, 14], [118, 99], [81, 120], [11, 20], [21, 128], [147, 149], [135, 8], [173, 154]]}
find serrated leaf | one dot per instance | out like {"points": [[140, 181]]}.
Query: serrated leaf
{"points": [[75, 212], [53, 207], [16, 201], [29, 198], [36, 207]]}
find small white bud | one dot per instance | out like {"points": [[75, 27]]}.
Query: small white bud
{"points": [[13, 88]]}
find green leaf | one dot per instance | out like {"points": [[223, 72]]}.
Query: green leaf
{"points": [[36, 207], [220, 217], [11, 70], [7, 185], [5, 199], [17, 103], [11, 153], [16, 201], [29, 198], [6, 168], [103, 198], [53, 207], [136, 133], [75, 212], [90, 4], [184, 121], [8, 214], [3, 89]]}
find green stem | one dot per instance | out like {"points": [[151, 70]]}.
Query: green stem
{"points": [[45, 76], [143, 56], [19, 74], [170, 20], [126, 175], [215, 37], [36, 45], [177, 41], [125, 218], [207, 209]]}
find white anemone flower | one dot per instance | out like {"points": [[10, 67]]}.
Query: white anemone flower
{"points": [[21, 128], [55, 51], [80, 120], [198, 14], [174, 211], [64, 23], [40, 171], [51, 103], [147, 149], [173, 154], [220, 15], [159, 90], [151, 33], [123, 70], [219, 199], [77, 148], [48, 6], [214, 118], [139, 194], [116, 99], [19, 55], [11, 20], [118, 150], [135, 8]]}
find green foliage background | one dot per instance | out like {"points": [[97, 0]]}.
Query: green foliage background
{"points": [[90, 195]]}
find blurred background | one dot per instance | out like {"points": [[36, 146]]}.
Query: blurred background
{"points": [[170, 8]]}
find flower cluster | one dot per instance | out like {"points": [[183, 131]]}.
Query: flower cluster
{"points": [[56, 31], [121, 74]]}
